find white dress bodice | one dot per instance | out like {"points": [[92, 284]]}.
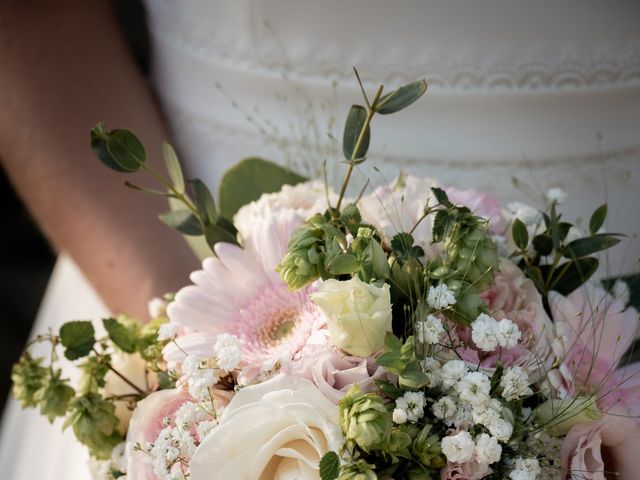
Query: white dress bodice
{"points": [[546, 93]]}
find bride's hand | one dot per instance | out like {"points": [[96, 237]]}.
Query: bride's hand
{"points": [[64, 67]]}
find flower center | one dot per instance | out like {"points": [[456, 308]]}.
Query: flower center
{"points": [[279, 327]]}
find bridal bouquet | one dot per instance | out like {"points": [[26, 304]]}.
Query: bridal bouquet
{"points": [[411, 331]]}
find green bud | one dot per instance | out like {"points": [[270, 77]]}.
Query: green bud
{"points": [[28, 376], [365, 420], [54, 397], [94, 424], [359, 470], [558, 416], [301, 264]]}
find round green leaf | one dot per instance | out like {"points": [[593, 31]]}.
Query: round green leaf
{"points": [[356, 119], [401, 98], [126, 150], [329, 466], [78, 337], [249, 179]]}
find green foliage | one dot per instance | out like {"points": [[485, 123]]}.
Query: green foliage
{"points": [[597, 219], [183, 221], [400, 98], [358, 470], [520, 234], [357, 133], [54, 397], [99, 147], [173, 167], [94, 370], [94, 423], [28, 377], [329, 466], [582, 247], [78, 337], [122, 336], [400, 359], [247, 180]]}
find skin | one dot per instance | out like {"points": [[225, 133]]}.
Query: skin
{"points": [[64, 67]]}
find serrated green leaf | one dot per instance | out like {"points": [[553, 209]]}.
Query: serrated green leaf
{"points": [[597, 219], [78, 338], [125, 149], [329, 466], [183, 221], [204, 202], [583, 247], [173, 167], [520, 234], [441, 196], [356, 119], [441, 224], [99, 147], [249, 179], [401, 98], [120, 335]]}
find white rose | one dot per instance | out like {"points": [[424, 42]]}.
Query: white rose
{"points": [[359, 314], [277, 429]]}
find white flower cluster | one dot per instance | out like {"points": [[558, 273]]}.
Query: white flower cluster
{"points": [[440, 297], [488, 333], [200, 373], [429, 330], [525, 469], [527, 215], [167, 331], [169, 455], [409, 407], [467, 401]]}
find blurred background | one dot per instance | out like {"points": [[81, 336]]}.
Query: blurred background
{"points": [[26, 257]]}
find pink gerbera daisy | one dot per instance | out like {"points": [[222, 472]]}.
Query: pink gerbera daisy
{"points": [[239, 292]]}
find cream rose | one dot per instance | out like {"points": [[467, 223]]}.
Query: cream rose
{"points": [[274, 430], [358, 314]]}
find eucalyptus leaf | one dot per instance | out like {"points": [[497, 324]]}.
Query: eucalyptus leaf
{"points": [[583, 247], [204, 202], [568, 278], [183, 221], [99, 147], [126, 150], [401, 98], [356, 120], [520, 234], [597, 219], [249, 179], [215, 234], [173, 167], [78, 338]]}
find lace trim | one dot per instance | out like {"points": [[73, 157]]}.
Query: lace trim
{"points": [[619, 69]]}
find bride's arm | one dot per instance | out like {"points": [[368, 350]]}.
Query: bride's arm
{"points": [[63, 68]]}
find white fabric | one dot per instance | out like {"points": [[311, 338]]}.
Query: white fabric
{"points": [[516, 89]]}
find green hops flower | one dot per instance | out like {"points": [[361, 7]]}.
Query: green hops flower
{"points": [[472, 254], [94, 424], [468, 305], [365, 420], [301, 264], [54, 397], [28, 376], [360, 470]]}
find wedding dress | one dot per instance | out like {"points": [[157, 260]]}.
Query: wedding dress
{"points": [[546, 93]]}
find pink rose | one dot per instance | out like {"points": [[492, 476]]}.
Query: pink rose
{"points": [[334, 372], [593, 332], [146, 424], [598, 451], [481, 204], [514, 297], [465, 471]]}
